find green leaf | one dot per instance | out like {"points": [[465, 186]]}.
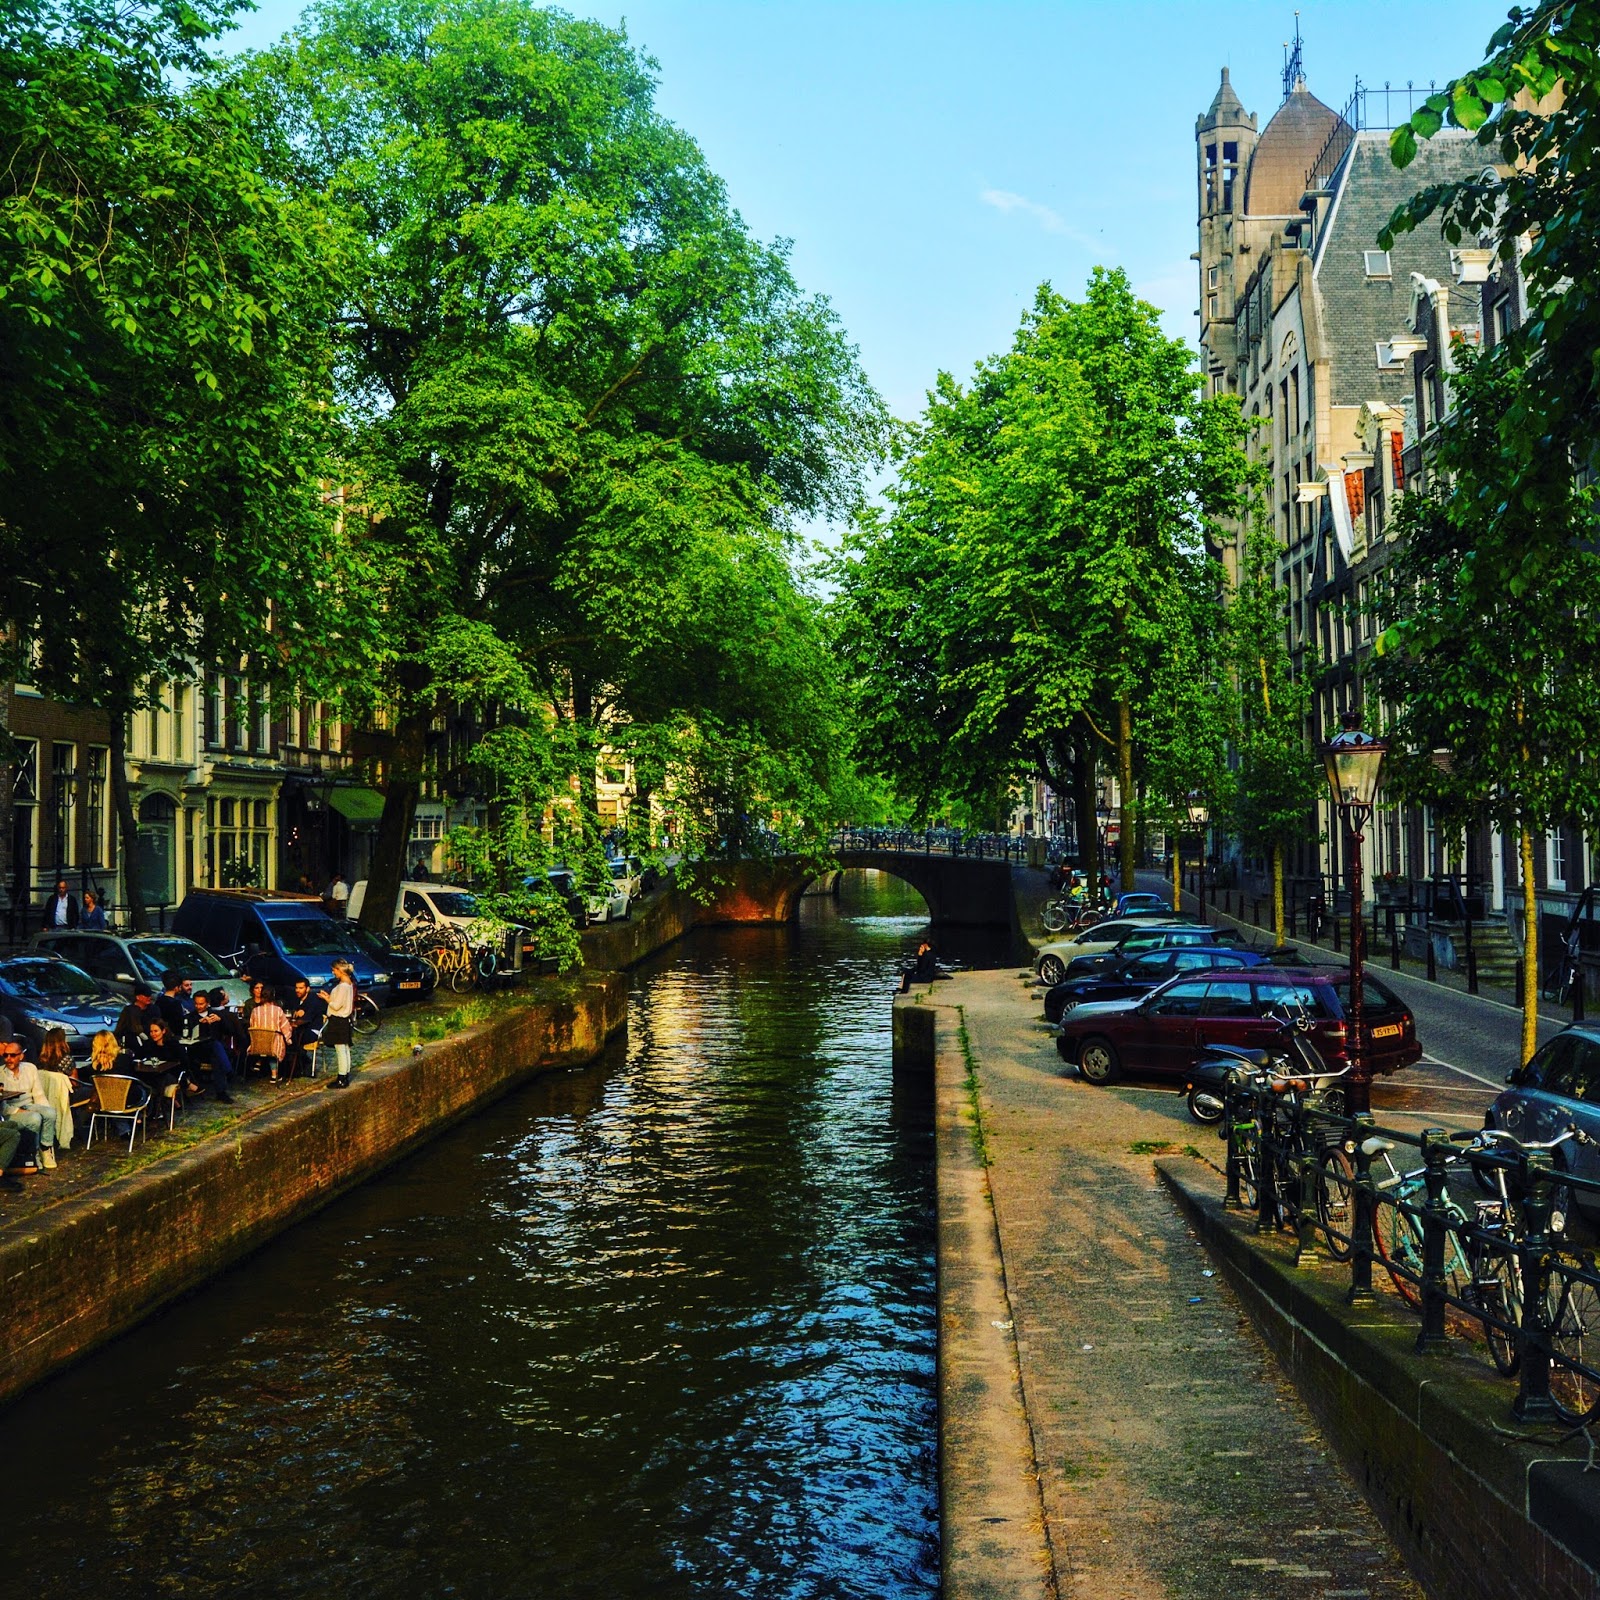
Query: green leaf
{"points": [[1403, 146]]}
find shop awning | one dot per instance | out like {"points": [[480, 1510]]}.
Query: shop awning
{"points": [[362, 806]]}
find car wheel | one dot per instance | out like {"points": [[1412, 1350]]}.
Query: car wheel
{"points": [[1052, 969], [1098, 1060]]}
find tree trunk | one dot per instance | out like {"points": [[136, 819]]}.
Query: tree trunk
{"points": [[402, 786], [1083, 798], [1125, 839], [1530, 949], [1277, 896], [127, 823]]}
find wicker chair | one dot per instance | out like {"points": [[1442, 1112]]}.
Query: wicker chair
{"points": [[117, 1098]]}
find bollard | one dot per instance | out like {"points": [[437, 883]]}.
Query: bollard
{"points": [[1436, 1152], [1472, 970], [1266, 1173], [1516, 980], [1533, 1403], [1394, 949], [1306, 1221], [1336, 930], [1231, 1201], [1577, 995], [1292, 933], [1361, 1222], [1433, 960]]}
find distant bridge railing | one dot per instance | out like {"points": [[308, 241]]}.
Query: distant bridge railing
{"points": [[955, 842]]}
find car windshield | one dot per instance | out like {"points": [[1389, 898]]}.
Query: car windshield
{"points": [[156, 956], [455, 903], [562, 882], [619, 869], [47, 980], [373, 943], [314, 936]]}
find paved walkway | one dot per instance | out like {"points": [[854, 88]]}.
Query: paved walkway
{"points": [[1174, 1459]]}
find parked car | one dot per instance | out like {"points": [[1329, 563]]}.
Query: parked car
{"points": [[409, 977], [122, 960], [1095, 940], [1558, 1089], [627, 872], [280, 937], [1164, 1033], [40, 992], [1139, 901], [1129, 977], [1143, 939], [596, 907], [429, 902]]}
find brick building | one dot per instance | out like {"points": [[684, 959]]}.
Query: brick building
{"points": [[1310, 323]]}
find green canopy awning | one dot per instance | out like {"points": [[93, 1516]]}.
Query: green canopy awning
{"points": [[357, 805]]}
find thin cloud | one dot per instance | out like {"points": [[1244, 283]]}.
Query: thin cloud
{"points": [[1004, 200]]}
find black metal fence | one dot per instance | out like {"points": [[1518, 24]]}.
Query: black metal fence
{"points": [[935, 842], [1514, 1268]]}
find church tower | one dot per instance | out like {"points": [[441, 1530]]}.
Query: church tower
{"points": [[1225, 139]]}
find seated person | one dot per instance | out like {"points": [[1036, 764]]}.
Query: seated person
{"points": [[133, 1026], [158, 1060], [24, 1100], [269, 1029], [64, 1086], [308, 1011], [173, 1004], [106, 1055], [211, 1049], [229, 1026]]}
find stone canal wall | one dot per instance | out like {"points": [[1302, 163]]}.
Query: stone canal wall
{"points": [[1481, 1508], [79, 1273]]}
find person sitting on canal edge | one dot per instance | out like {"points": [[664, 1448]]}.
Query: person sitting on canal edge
{"points": [[339, 1031], [922, 970]]}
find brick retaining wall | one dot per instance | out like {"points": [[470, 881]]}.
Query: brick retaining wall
{"points": [[81, 1273]]}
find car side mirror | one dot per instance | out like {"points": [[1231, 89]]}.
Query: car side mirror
{"points": [[1514, 1077]]}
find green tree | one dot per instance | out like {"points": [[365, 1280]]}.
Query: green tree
{"points": [[586, 406], [1041, 556], [163, 363], [1278, 780], [1494, 694]]}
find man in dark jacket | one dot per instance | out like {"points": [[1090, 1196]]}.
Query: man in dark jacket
{"points": [[61, 909], [133, 1026]]}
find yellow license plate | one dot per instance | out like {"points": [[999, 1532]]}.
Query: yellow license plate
{"points": [[411, 983], [1392, 1031]]}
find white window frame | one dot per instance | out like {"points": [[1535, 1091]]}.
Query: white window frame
{"points": [[1377, 264]]}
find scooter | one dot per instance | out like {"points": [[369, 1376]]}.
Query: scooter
{"points": [[1297, 1058]]}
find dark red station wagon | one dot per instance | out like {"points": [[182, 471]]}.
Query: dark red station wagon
{"points": [[1167, 1031]]}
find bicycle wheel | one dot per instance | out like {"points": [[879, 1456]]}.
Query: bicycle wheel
{"points": [[1497, 1288], [1054, 917], [1399, 1241], [1249, 1189], [430, 970], [486, 963], [1087, 919], [1575, 1334], [461, 973], [367, 1015], [1336, 1202]]}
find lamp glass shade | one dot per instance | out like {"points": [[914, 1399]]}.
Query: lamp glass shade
{"points": [[1354, 761]]}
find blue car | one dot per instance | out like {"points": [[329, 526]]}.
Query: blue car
{"points": [[1559, 1089], [40, 992]]}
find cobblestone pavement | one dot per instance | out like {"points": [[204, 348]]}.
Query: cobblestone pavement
{"points": [[1175, 1459]]}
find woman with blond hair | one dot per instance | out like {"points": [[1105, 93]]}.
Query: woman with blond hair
{"points": [[104, 1053]]}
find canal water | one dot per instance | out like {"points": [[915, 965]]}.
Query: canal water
{"points": [[663, 1326]]}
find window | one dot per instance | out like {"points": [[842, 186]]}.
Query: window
{"points": [[1503, 318], [1556, 859], [95, 806], [1213, 275], [1230, 172], [1430, 400], [1181, 1000], [1377, 263], [62, 800], [1229, 1000], [1212, 307], [239, 842], [1211, 177]]}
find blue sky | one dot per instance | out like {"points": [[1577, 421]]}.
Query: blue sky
{"points": [[933, 163]]}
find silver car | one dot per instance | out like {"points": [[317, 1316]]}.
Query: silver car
{"points": [[121, 960]]}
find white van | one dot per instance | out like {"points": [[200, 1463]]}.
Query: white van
{"points": [[430, 902]]}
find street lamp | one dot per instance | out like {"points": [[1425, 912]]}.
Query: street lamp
{"points": [[1354, 763], [1198, 819]]}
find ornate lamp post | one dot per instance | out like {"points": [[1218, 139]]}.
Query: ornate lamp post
{"points": [[1197, 820], [1354, 763]]}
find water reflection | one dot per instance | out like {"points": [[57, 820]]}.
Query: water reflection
{"points": [[664, 1326]]}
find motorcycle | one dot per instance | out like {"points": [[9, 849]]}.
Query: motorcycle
{"points": [[1296, 1058]]}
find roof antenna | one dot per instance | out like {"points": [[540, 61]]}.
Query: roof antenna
{"points": [[1293, 65]]}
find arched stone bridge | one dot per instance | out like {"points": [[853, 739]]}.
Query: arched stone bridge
{"points": [[961, 891]]}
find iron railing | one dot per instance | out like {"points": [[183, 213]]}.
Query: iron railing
{"points": [[1271, 1135], [1367, 108]]}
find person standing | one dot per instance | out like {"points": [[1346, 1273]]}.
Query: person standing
{"points": [[61, 909], [338, 896], [94, 914], [339, 1030]]}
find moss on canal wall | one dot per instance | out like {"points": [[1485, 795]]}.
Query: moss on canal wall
{"points": [[93, 1266]]}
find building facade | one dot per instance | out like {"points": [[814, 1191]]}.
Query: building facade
{"points": [[1310, 323]]}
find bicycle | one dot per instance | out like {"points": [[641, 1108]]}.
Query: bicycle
{"points": [[367, 1015], [1562, 978]]}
